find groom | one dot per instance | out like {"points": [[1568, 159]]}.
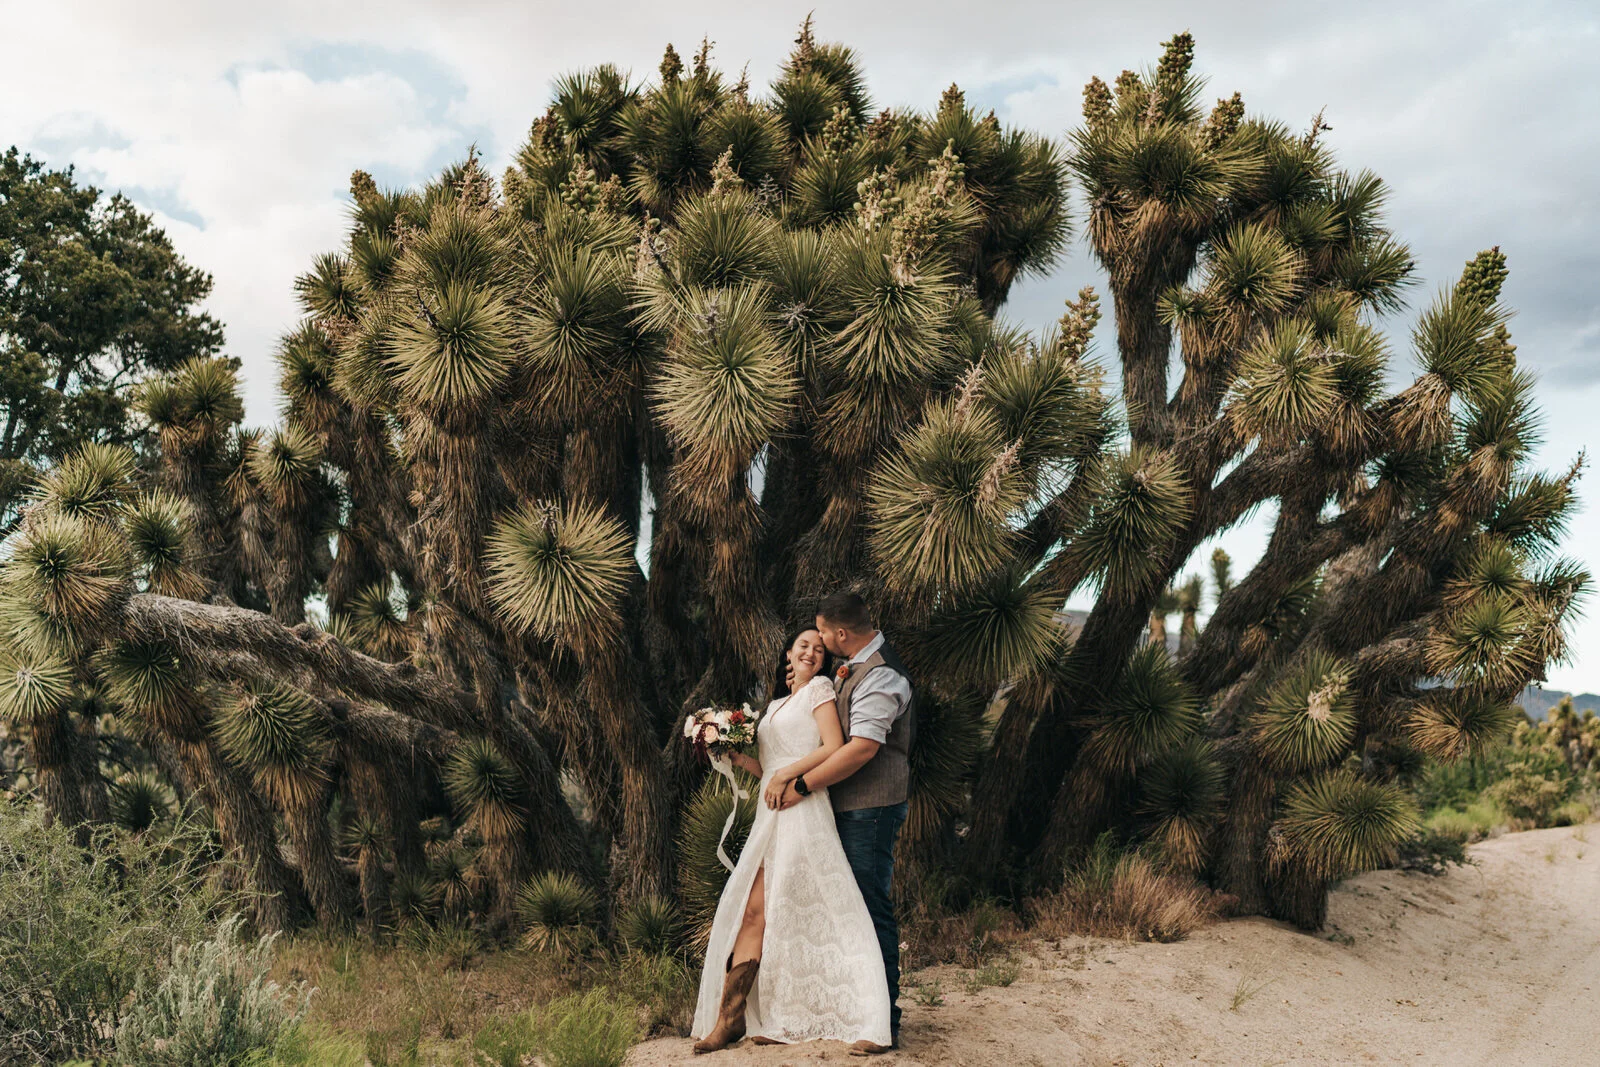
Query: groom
{"points": [[867, 778]]}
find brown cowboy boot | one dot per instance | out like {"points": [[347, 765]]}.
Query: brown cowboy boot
{"points": [[730, 1019]]}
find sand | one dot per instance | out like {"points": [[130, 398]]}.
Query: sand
{"points": [[1496, 963]]}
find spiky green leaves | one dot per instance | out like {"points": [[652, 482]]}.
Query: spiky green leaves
{"points": [[286, 463], [559, 912], [328, 291], [375, 623], [940, 505], [722, 241], [194, 405], [305, 372], [32, 686], [1252, 272], [1050, 403], [701, 875], [1287, 385], [993, 632], [451, 347], [1182, 795], [1148, 711], [650, 926], [138, 802], [281, 736], [950, 739], [1337, 824], [157, 526], [150, 680], [485, 787], [559, 572], [94, 483], [1448, 725], [74, 573], [576, 331], [1450, 338], [1142, 502], [727, 387], [1482, 643], [1308, 718]]}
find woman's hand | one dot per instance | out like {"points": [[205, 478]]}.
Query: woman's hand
{"points": [[777, 785], [748, 764]]}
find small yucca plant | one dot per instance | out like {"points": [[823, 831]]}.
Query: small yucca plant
{"points": [[650, 925], [139, 801], [558, 912]]}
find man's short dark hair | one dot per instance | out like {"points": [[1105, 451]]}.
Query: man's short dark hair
{"points": [[847, 610]]}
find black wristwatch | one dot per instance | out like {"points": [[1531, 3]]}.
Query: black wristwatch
{"points": [[801, 787]]}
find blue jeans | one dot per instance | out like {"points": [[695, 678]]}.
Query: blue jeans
{"points": [[868, 836]]}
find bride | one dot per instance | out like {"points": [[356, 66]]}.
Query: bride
{"points": [[793, 955]]}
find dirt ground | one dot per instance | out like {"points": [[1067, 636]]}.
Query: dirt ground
{"points": [[1492, 964]]}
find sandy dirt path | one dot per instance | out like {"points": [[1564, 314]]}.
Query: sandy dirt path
{"points": [[1493, 964]]}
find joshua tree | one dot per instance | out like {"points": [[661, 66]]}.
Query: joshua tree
{"points": [[1189, 596], [569, 452]]}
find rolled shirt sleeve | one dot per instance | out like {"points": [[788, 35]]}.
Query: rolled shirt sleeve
{"points": [[879, 699]]}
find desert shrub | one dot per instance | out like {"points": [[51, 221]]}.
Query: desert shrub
{"points": [[1433, 850], [213, 1005], [1573, 813], [593, 1029], [1124, 895], [665, 989], [650, 926], [453, 942], [935, 932], [81, 928], [504, 1042], [1458, 784], [300, 1047], [1476, 821], [559, 912], [1533, 789]]}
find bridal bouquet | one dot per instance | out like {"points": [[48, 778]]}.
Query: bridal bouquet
{"points": [[716, 732]]}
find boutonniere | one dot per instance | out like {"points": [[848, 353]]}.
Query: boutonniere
{"points": [[842, 675]]}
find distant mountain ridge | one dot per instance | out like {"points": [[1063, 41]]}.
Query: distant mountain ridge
{"points": [[1537, 702]]}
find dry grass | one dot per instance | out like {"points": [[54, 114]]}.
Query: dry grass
{"points": [[392, 995], [1134, 901]]}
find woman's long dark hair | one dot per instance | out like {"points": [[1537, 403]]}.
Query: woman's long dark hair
{"points": [[780, 680]]}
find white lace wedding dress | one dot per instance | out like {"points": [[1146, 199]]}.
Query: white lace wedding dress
{"points": [[821, 974]]}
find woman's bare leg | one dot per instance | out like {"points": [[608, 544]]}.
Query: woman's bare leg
{"points": [[747, 946]]}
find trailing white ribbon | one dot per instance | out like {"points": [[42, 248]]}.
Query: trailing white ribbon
{"points": [[724, 767]]}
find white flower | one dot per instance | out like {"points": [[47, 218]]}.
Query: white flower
{"points": [[711, 735], [720, 718], [688, 727]]}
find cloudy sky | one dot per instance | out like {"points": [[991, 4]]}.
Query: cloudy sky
{"points": [[237, 125]]}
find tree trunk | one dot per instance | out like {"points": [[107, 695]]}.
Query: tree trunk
{"points": [[244, 823]]}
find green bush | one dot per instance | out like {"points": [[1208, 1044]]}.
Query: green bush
{"points": [[664, 987], [505, 1042], [1476, 821], [214, 1005], [1572, 813], [80, 929], [1532, 792], [589, 1030]]}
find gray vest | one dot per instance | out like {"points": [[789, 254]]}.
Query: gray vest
{"points": [[886, 777]]}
